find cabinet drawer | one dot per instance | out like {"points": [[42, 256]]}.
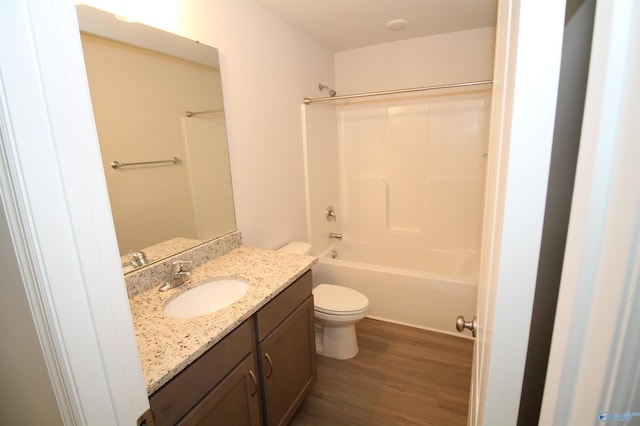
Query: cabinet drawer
{"points": [[274, 312], [172, 401]]}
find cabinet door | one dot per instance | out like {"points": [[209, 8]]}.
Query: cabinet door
{"points": [[235, 401], [177, 397], [287, 364]]}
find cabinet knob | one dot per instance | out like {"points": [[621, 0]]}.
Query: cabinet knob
{"points": [[270, 372]]}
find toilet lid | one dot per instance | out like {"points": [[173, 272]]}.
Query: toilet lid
{"points": [[338, 300]]}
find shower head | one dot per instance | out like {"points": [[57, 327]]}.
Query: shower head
{"points": [[329, 90]]}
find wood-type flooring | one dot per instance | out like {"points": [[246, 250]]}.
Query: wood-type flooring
{"points": [[401, 376]]}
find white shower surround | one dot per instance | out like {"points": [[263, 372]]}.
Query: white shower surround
{"points": [[406, 177], [412, 171]]}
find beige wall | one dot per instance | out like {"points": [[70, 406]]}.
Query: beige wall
{"points": [[139, 99], [209, 174], [26, 394]]}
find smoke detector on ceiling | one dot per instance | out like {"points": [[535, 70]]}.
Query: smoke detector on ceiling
{"points": [[397, 24]]}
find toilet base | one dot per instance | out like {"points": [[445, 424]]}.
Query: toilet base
{"points": [[337, 342]]}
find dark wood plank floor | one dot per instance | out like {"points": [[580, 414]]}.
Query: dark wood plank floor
{"points": [[401, 376]]}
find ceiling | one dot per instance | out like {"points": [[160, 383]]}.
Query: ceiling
{"points": [[350, 24]]}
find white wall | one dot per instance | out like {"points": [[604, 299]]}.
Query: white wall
{"points": [[268, 67], [423, 61]]}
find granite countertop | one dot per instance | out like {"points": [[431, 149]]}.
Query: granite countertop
{"points": [[167, 345]]}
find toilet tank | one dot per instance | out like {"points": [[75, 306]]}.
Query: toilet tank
{"points": [[296, 247]]}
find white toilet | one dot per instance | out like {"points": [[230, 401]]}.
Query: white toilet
{"points": [[337, 310]]}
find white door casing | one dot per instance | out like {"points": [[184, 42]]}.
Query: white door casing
{"points": [[62, 233], [525, 91], [593, 362]]}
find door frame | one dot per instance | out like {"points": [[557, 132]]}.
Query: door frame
{"points": [[55, 199], [525, 90], [593, 366]]}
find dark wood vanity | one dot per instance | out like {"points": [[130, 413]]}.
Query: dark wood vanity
{"points": [[258, 374]]}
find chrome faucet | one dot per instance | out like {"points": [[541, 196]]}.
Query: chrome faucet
{"points": [[138, 259], [178, 275], [335, 236]]}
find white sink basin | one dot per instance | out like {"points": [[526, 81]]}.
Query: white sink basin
{"points": [[206, 298]]}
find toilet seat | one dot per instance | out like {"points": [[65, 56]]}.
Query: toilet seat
{"points": [[338, 300]]}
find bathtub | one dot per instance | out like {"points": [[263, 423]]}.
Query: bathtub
{"points": [[427, 289]]}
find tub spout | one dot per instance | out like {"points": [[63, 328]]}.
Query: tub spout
{"points": [[335, 236]]}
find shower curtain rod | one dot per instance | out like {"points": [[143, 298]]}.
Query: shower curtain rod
{"points": [[308, 101], [209, 111]]}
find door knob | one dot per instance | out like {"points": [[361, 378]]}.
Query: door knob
{"points": [[472, 325]]}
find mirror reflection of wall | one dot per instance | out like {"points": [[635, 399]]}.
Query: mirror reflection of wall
{"points": [[140, 99]]}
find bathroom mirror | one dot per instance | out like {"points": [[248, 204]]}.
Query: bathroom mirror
{"points": [[159, 112]]}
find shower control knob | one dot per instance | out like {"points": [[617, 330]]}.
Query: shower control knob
{"points": [[472, 325], [331, 214]]}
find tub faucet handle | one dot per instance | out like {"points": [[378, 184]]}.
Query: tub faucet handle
{"points": [[335, 236], [331, 214]]}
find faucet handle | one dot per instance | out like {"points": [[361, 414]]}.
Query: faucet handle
{"points": [[330, 214], [177, 266], [139, 258]]}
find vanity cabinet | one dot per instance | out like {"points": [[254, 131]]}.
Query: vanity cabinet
{"points": [[286, 346], [258, 374]]}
